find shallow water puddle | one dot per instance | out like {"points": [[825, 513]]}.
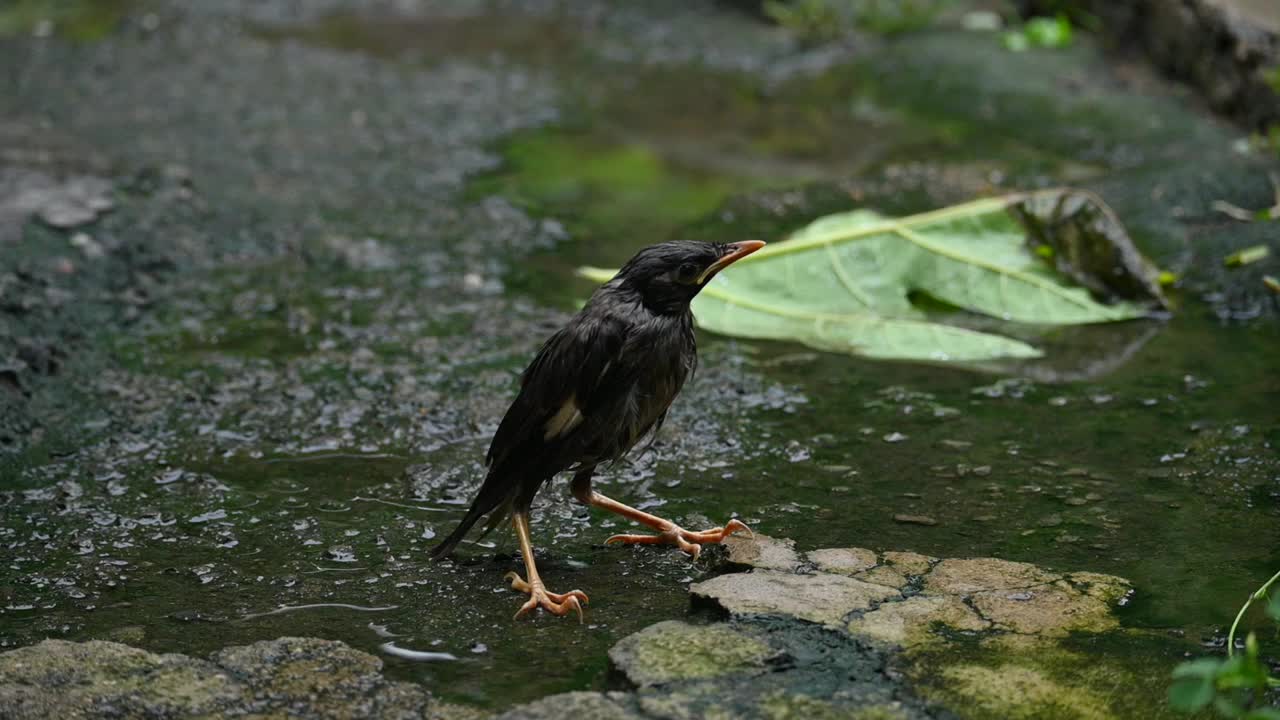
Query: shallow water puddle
{"points": [[327, 419]]}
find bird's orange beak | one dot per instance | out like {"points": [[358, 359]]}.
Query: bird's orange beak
{"points": [[736, 251]]}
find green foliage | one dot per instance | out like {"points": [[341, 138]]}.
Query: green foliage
{"points": [[824, 20], [1040, 32], [82, 20], [851, 282], [1271, 76], [1235, 685]]}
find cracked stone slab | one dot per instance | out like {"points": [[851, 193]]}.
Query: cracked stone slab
{"points": [[813, 671], [971, 595], [820, 597], [1048, 611], [911, 621], [884, 575], [909, 563], [762, 551], [845, 561], [970, 575]]}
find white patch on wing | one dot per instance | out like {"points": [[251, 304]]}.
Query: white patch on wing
{"points": [[566, 418]]}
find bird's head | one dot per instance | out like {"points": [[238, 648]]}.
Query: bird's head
{"points": [[669, 275]]}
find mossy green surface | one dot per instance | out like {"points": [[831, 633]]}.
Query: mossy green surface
{"points": [[78, 20], [676, 651], [617, 193], [1110, 676]]}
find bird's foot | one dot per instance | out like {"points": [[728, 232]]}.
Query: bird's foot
{"points": [[688, 541], [539, 597]]}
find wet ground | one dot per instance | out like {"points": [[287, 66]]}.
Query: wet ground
{"points": [[242, 402]]}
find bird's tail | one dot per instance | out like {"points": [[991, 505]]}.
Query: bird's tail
{"points": [[477, 511], [447, 545]]}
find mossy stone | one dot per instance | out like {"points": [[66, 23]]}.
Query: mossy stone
{"points": [[676, 651]]}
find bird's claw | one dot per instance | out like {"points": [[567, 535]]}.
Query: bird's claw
{"points": [[688, 541], [539, 597]]}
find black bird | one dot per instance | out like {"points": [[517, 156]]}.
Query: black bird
{"points": [[597, 387]]}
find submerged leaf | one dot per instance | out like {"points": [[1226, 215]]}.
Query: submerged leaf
{"points": [[845, 282]]}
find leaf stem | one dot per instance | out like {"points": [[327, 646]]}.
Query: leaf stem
{"points": [[1258, 594]]}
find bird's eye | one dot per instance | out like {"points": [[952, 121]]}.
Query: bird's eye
{"points": [[687, 273]]}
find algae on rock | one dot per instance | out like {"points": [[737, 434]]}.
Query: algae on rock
{"points": [[986, 637], [674, 650]]}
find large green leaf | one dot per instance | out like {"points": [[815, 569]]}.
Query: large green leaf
{"points": [[845, 282]]}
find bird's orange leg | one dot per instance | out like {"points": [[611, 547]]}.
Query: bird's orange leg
{"points": [[555, 603], [668, 532]]}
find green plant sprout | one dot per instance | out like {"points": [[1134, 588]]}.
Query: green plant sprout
{"points": [[1233, 686], [1273, 611]]}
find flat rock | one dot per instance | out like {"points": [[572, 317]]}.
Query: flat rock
{"points": [[674, 650], [762, 551], [912, 621], [303, 677], [821, 598], [909, 563], [845, 561], [60, 679], [814, 672], [1107, 588], [884, 575], [1049, 611], [969, 575]]}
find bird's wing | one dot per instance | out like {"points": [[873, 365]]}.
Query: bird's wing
{"points": [[573, 370]]}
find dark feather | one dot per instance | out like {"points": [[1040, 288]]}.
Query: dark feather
{"points": [[599, 385]]}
